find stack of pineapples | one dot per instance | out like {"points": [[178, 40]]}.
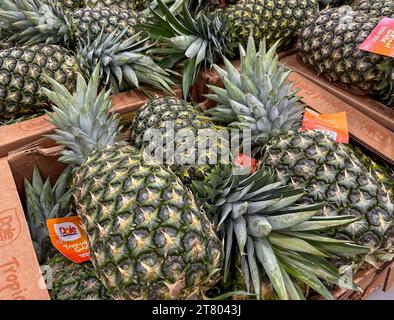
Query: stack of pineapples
{"points": [[178, 227]]}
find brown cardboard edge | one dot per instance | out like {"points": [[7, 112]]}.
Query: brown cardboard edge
{"points": [[367, 105], [20, 276], [19, 134]]}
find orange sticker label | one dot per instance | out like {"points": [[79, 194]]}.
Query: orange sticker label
{"points": [[69, 237], [334, 125], [381, 40]]}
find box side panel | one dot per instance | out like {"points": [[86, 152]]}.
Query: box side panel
{"points": [[20, 276]]}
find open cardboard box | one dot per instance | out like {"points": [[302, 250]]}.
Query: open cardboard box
{"points": [[19, 134], [366, 130], [20, 276]]}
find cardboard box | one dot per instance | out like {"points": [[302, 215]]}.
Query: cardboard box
{"points": [[20, 276], [363, 103], [19, 134]]}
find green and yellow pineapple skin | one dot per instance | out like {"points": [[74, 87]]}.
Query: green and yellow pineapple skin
{"points": [[69, 5], [71, 281], [157, 111], [329, 41], [330, 172], [21, 77], [173, 118], [148, 238], [41, 21], [374, 8], [125, 4], [273, 19], [93, 20]]}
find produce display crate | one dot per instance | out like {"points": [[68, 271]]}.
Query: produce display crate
{"points": [[19, 134], [19, 268], [363, 103]]}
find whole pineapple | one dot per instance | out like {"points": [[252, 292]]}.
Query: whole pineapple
{"points": [[270, 19], [374, 8], [148, 238], [124, 65], [330, 172], [68, 281], [179, 124], [205, 38], [41, 21], [329, 41]]}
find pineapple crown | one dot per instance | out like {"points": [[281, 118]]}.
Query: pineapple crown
{"points": [[272, 233], [193, 41], [82, 119], [258, 97], [46, 202], [123, 62], [35, 21]]}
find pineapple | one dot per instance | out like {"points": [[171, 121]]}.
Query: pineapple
{"points": [[179, 124], [263, 101], [329, 41], [69, 281], [272, 20], [22, 70], [148, 238], [329, 171], [204, 39], [374, 8], [40, 21], [262, 225], [124, 65]]}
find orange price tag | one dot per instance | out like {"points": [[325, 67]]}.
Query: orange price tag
{"points": [[334, 125], [381, 40], [69, 237]]}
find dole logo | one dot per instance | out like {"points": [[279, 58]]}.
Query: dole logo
{"points": [[9, 227], [67, 231]]}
